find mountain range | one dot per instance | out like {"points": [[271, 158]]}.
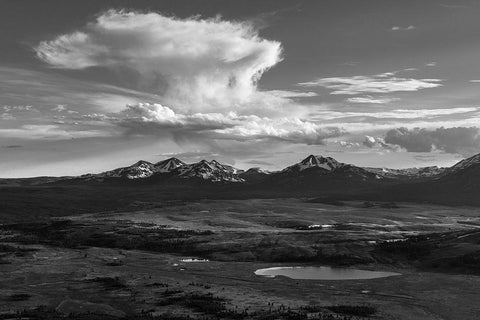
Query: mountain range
{"points": [[215, 172], [314, 176]]}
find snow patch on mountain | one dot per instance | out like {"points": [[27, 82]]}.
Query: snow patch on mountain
{"points": [[168, 165], [424, 172], [326, 163], [139, 170], [212, 171], [257, 170]]}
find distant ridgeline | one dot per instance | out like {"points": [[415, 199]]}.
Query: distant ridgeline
{"points": [[314, 176]]}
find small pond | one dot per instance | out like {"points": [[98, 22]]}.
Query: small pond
{"points": [[323, 273]]}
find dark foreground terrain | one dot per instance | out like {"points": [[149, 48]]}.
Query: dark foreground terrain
{"points": [[196, 259]]}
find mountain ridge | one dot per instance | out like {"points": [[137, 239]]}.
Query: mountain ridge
{"points": [[314, 177], [216, 171]]}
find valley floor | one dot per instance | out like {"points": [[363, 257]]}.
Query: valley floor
{"points": [[126, 264]]}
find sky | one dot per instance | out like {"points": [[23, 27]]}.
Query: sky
{"points": [[87, 86]]}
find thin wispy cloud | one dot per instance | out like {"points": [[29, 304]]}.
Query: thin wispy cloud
{"points": [[453, 6], [399, 114], [350, 63], [8, 108], [371, 100], [407, 28], [50, 132], [380, 83], [259, 162], [292, 94], [46, 90]]}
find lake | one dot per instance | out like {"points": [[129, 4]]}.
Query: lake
{"points": [[323, 273]]}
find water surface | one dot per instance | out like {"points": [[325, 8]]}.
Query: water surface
{"points": [[323, 273]]}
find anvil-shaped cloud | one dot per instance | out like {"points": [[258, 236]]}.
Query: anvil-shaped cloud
{"points": [[198, 63]]}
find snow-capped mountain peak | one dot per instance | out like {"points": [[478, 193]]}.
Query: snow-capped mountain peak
{"points": [[212, 171], [140, 169], [326, 163], [168, 165]]}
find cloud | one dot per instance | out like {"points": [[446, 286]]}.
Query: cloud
{"points": [[291, 94], [408, 28], [462, 140], [19, 108], [425, 158], [47, 90], [190, 155], [378, 142], [424, 114], [347, 144], [146, 118], [12, 146], [11, 112], [453, 6], [59, 108], [371, 100], [6, 116], [427, 113], [198, 63], [380, 83], [350, 63], [259, 162], [370, 141], [50, 132]]}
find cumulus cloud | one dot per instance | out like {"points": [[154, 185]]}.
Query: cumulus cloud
{"points": [[347, 144], [59, 108], [371, 141], [203, 62], [151, 118], [462, 140], [379, 142], [381, 83]]}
